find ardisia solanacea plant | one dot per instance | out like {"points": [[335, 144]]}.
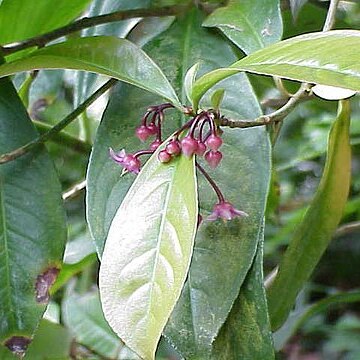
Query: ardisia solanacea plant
{"points": [[210, 124]]}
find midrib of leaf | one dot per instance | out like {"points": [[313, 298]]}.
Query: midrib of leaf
{"points": [[6, 249]]}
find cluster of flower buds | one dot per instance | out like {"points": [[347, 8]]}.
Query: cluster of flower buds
{"points": [[199, 137]]}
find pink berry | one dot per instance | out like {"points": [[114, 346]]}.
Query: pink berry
{"points": [[213, 158], [189, 146], [142, 132], [173, 147], [155, 144], [213, 142], [164, 156], [200, 151]]}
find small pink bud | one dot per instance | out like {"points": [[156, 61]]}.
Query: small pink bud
{"points": [[213, 142], [226, 211], [200, 151], [155, 144], [152, 128], [189, 146], [164, 156], [142, 132], [132, 164], [173, 147], [213, 158]]}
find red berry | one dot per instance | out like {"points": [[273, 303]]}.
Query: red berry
{"points": [[213, 142], [189, 146], [173, 147], [164, 156], [213, 158]]}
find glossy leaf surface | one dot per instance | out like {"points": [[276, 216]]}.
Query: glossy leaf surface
{"points": [[314, 232], [31, 242], [105, 55], [147, 252], [22, 19], [250, 24], [246, 333], [309, 58]]}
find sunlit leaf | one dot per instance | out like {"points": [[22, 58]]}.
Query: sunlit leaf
{"points": [[147, 252], [105, 55], [310, 58]]}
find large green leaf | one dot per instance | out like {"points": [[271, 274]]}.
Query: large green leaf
{"points": [[147, 252], [250, 24], [310, 58], [246, 157], [32, 223], [22, 19], [314, 232], [246, 333], [105, 55]]}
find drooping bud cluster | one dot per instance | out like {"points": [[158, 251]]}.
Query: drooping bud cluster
{"points": [[199, 137]]}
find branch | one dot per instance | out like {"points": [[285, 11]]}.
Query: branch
{"points": [[63, 138], [301, 95], [331, 15], [86, 22], [74, 190], [12, 155]]}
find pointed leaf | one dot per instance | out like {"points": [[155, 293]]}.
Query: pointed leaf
{"points": [[308, 58], [32, 224], [105, 55], [246, 333], [190, 79], [250, 24], [43, 17], [148, 251], [314, 232]]}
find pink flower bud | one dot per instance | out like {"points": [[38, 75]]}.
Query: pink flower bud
{"points": [[213, 142], [164, 156], [152, 129], [226, 211], [213, 158], [200, 151], [189, 146], [155, 144], [143, 132], [173, 147]]}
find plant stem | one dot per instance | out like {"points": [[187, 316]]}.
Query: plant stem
{"points": [[86, 22], [211, 182], [64, 138], [74, 190], [276, 116], [331, 15], [12, 155]]}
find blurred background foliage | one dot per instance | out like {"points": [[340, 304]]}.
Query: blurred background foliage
{"points": [[326, 321]]}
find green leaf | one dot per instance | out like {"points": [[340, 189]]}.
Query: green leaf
{"points": [[147, 252], [105, 55], [250, 24], [32, 223], [83, 315], [51, 341], [246, 333], [217, 97], [313, 234], [189, 80], [299, 59], [244, 159], [22, 19]]}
